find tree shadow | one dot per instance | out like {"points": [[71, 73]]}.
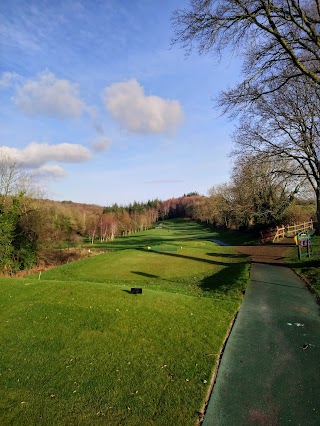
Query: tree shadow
{"points": [[229, 255], [233, 279], [198, 259], [144, 274], [300, 264], [230, 281], [177, 232]]}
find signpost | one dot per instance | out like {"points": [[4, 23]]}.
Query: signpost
{"points": [[303, 241]]}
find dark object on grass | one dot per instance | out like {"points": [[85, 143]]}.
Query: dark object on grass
{"points": [[136, 290]]}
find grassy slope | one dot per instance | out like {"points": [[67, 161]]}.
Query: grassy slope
{"points": [[308, 267], [187, 270], [85, 351]]}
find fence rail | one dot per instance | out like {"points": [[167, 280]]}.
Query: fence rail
{"points": [[292, 230], [285, 231]]}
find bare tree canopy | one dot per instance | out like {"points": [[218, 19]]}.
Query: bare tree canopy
{"points": [[275, 35], [285, 127], [14, 179], [279, 98]]}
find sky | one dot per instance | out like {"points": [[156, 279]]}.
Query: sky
{"points": [[99, 106]]}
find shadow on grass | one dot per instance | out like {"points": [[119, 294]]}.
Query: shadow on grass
{"points": [[176, 231], [228, 255], [144, 274], [231, 280], [136, 242], [281, 261], [302, 264], [198, 259]]}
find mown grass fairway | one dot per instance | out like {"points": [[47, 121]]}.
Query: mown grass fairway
{"points": [[78, 348]]}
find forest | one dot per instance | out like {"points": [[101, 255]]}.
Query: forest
{"points": [[35, 232]]}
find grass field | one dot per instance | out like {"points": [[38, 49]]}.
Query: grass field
{"points": [[79, 349]]}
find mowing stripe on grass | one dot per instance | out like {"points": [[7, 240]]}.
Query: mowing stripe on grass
{"points": [[83, 350]]}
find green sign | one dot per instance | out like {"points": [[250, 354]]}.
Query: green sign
{"points": [[303, 241]]}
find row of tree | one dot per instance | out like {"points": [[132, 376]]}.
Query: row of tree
{"points": [[31, 226], [124, 220], [254, 198]]}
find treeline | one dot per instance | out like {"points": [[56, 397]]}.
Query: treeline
{"points": [[256, 197], [135, 207], [117, 220], [32, 227]]}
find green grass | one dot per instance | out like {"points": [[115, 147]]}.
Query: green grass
{"points": [[78, 348], [308, 267], [171, 232], [237, 238], [181, 230], [198, 268]]}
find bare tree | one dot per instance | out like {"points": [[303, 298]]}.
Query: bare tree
{"points": [[255, 196], [284, 127], [261, 192], [280, 43], [273, 35], [222, 204], [14, 179]]}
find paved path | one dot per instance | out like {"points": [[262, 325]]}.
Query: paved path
{"points": [[270, 370], [268, 253]]}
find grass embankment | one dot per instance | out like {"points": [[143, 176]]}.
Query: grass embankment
{"points": [[78, 348], [237, 238], [308, 267]]}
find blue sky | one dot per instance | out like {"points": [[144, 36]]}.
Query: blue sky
{"points": [[101, 109]]}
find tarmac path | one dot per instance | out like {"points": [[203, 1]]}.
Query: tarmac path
{"points": [[270, 370]]}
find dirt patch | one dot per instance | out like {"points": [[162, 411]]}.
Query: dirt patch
{"points": [[269, 253]]}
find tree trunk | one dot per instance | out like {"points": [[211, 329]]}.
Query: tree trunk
{"points": [[317, 225]]}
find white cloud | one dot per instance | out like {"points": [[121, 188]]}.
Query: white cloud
{"points": [[7, 79], [50, 171], [37, 154], [102, 144], [139, 113], [48, 95]]}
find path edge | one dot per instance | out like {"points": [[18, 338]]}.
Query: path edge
{"points": [[203, 409]]}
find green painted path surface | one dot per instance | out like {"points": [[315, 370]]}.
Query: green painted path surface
{"points": [[270, 370]]}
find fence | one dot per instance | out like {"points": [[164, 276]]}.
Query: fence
{"points": [[285, 231], [293, 230]]}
